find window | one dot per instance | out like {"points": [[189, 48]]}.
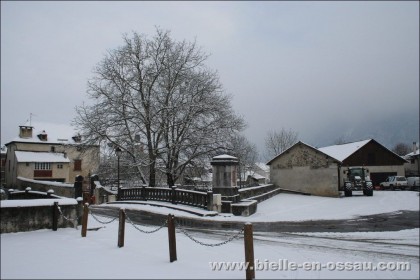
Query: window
{"points": [[60, 166], [77, 165], [52, 149], [42, 166]]}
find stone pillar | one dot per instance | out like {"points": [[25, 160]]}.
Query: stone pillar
{"points": [[225, 177]]}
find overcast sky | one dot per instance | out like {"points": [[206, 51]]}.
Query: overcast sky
{"points": [[297, 65]]}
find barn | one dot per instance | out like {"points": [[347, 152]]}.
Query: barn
{"points": [[304, 168], [319, 171], [380, 161]]}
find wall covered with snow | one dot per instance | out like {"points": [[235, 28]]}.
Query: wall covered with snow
{"points": [[34, 214], [60, 189]]}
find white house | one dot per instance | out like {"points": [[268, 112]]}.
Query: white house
{"points": [[46, 154]]}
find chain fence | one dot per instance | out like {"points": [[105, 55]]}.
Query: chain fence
{"points": [[144, 231], [73, 221], [179, 228], [99, 221], [231, 238]]}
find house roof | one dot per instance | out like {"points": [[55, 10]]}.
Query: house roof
{"points": [[254, 175], [263, 166], [57, 134], [412, 154], [40, 157], [302, 143], [343, 151]]}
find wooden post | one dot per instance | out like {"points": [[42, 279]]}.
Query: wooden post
{"points": [[55, 216], [249, 251], [85, 219], [172, 239], [121, 229], [209, 200]]}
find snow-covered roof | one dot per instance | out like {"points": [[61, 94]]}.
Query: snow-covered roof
{"points": [[225, 157], [343, 151], [40, 157], [299, 143], [254, 175], [56, 133], [407, 156], [263, 166]]}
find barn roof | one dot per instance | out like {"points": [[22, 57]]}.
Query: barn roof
{"points": [[343, 151], [304, 144]]}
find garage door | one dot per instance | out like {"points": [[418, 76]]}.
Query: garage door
{"points": [[379, 177]]}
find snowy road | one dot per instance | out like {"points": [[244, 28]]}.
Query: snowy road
{"points": [[365, 244], [398, 220]]}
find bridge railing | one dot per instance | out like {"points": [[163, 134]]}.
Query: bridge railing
{"points": [[173, 195]]}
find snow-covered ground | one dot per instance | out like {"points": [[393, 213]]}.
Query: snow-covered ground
{"points": [[65, 254]]}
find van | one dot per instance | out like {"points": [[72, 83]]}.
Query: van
{"points": [[413, 183]]}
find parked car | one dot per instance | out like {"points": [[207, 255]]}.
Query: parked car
{"points": [[413, 183], [394, 182]]}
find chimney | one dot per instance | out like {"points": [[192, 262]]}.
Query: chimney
{"points": [[414, 147], [25, 131], [77, 138], [43, 136]]}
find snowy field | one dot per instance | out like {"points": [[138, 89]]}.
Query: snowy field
{"points": [[64, 254]]}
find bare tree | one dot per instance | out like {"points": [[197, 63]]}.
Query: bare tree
{"points": [[341, 140], [246, 153], [157, 101], [402, 149], [277, 142]]}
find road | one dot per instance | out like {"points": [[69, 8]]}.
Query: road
{"points": [[393, 221]]}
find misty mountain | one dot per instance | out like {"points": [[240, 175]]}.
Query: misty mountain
{"points": [[388, 129]]}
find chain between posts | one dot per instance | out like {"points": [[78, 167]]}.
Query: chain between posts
{"points": [[73, 221], [108, 222], [144, 231], [231, 238]]}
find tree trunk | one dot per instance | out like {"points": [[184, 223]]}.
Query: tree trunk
{"points": [[170, 179]]}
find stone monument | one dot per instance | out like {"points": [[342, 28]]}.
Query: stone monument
{"points": [[225, 180]]}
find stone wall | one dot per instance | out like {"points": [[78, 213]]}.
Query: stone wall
{"points": [[28, 218], [255, 191], [60, 189], [304, 169]]}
